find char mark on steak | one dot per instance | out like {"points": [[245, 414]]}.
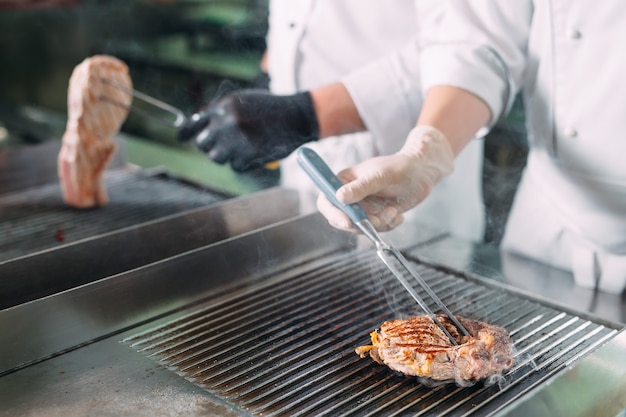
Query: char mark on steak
{"points": [[418, 347]]}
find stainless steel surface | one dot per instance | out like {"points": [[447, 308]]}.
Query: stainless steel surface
{"points": [[267, 322], [105, 379], [535, 279], [50, 271], [581, 390]]}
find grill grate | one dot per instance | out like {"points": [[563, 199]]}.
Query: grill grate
{"points": [[285, 346], [38, 218]]}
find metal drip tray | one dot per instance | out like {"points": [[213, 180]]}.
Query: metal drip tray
{"points": [[38, 219], [285, 347]]}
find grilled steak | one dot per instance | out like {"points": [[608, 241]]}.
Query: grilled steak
{"points": [[418, 347], [88, 143]]}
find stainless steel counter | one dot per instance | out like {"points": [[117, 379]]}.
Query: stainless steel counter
{"points": [[104, 379], [538, 280], [64, 355]]}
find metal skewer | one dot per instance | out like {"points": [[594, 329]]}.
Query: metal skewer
{"points": [[179, 116], [329, 183]]}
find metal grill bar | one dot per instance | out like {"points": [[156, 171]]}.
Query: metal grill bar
{"points": [[250, 304], [285, 346]]}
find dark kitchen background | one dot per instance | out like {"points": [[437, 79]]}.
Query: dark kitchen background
{"points": [[179, 51]]}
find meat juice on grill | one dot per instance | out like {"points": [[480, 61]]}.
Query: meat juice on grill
{"points": [[88, 142], [418, 347]]}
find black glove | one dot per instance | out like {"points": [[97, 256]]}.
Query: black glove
{"points": [[252, 127], [261, 81]]}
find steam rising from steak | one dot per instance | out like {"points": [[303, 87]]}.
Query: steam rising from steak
{"points": [[88, 143], [418, 347]]}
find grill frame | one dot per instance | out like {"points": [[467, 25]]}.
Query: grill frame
{"points": [[357, 396], [65, 357], [88, 313]]}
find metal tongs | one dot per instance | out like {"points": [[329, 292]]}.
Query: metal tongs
{"points": [[178, 121], [179, 117], [329, 183]]}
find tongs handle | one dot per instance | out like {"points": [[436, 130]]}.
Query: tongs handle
{"points": [[328, 182]]}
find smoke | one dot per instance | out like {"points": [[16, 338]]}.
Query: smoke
{"points": [[505, 153], [395, 296], [500, 379], [226, 87]]}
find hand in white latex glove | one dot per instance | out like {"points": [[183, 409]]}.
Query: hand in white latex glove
{"points": [[387, 186]]}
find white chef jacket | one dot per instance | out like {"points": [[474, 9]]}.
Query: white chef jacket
{"points": [[568, 57], [371, 46]]}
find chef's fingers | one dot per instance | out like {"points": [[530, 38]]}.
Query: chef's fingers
{"points": [[382, 213], [338, 219], [218, 143], [205, 140], [211, 114], [369, 181], [374, 206], [193, 126], [390, 218]]}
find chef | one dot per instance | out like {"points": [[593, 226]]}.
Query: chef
{"points": [[568, 59], [345, 72]]}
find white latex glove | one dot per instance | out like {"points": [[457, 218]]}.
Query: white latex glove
{"points": [[387, 186]]}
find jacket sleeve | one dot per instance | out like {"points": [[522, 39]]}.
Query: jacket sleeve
{"points": [[480, 47], [388, 91]]}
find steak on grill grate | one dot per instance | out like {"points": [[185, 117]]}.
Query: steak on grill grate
{"points": [[418, 347]]}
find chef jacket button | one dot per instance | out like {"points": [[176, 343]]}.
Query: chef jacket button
{"points": [[570, 132], [292, 25], [575, 34]]}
